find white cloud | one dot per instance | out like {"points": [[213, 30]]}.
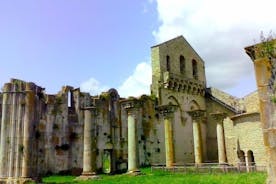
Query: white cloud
{"points": [[93, 87], [138, 83], [218, 30]]}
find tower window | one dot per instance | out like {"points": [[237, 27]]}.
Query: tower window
{"points": [[195, 71], [182, 64], [168, 63]]}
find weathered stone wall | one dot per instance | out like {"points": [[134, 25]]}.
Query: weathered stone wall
{"points": [[226, 98], [175, 78], [22, 108], [243, 132], [182, 89], [251, 102]]}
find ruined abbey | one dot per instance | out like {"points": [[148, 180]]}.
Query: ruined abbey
{"points": [[181, 122]]}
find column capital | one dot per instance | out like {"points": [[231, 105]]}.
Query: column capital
{"points": [[196, 114], [219, 116], [92, 109], [131, 103], [166, 110]]}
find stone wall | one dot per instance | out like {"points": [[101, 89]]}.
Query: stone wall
{"points": [[226, 98], [244, 133], [251, 102]]}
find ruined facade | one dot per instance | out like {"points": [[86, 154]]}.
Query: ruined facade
{"points": [[181, 122]]}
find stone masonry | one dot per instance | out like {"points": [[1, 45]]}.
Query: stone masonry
{"points": [[181, 122]]}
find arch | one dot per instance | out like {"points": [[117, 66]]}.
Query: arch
{"points": [[175, 85], [250, 158], [193, 105], [113, 93], [170, 84], [179, 87], [195, 69], [168, 64], [174, 101], [182, 64], [241, 157]]}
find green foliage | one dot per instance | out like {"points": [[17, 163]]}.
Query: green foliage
{"points": [[266, 48], [160, 177], [273, 99]]}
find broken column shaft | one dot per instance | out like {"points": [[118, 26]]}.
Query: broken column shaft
{"points": [[28, 121], [264, 59], [4, 130]]}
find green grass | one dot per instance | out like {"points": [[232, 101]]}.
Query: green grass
{"points": [[160, 177]]}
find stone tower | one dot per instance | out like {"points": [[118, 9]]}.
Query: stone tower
{"points": [[178, 80]]}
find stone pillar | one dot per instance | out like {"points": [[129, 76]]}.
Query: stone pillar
{"points": [[13, 124], [19, 136], [28, 121], [131, 107], [265, 64], [197, 116], [219, 117], [247, 164], [168, 112], [4, 131], [89, 145]]}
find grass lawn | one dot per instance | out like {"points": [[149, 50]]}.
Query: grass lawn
{"points": [[160, 177]]}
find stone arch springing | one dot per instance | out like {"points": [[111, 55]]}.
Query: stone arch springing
{"points": [[182, 64], [193, 105], [175, 102], [168, 64], [195, 69]]}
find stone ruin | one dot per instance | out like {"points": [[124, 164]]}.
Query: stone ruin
{"points": [[182, 121]]}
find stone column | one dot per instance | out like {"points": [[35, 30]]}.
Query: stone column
{"points": [[219, 117], [89, 145], [13, 124], [28, 121], [19, 136], [265, 64], [131, 107], [198, 151], [4, 132], [168, 113]]}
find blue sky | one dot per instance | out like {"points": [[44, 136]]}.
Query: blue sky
{"points": [[54, 43], [99, 44]]}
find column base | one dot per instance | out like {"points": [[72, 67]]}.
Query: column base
{"points": [[134, 172], [16, 180], [88, 176]]}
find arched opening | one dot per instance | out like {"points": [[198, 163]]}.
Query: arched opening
{"points": [[251, 160], [182, 64], [168, 67], [194, 105], [241, 157], [69, 99], [195, 71]]}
